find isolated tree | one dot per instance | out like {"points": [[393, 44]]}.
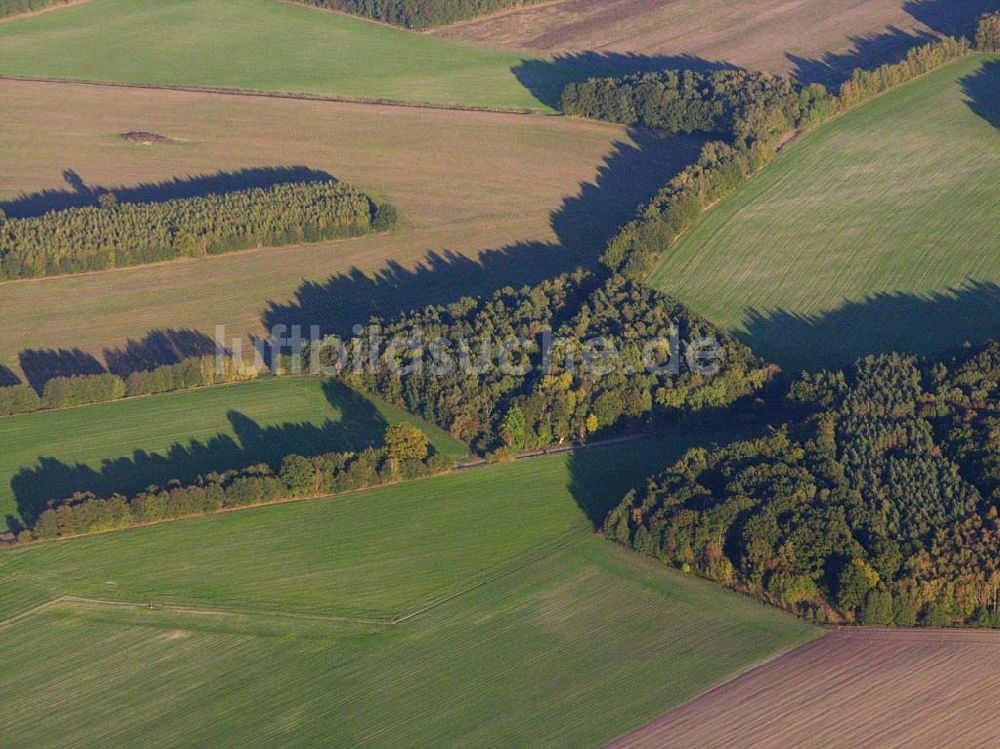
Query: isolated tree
{"points": [[404, 442]]}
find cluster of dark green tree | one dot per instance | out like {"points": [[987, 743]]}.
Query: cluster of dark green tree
{"points": [[16, 7], [988, 33], [557, 361], [114, 235], [78, 390], [419, 14], [754, 112], [405, 455], [742, 105], [877, 502]]}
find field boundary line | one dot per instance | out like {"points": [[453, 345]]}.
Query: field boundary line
{"points": [[295, 96], [760, 663]]}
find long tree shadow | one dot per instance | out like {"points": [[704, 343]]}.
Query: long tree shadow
{"points": [[629, 177], [983, 91], [941, 17], [359, 425], [950, 18], [157, 348], [41, 365], [921, 324], [601, 476], [79, 194], [546, 78], [8, 377], [832, 69]]}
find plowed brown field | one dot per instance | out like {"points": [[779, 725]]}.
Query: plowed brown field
{"points": [[854, 689]]}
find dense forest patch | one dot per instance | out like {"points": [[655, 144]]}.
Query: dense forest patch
{"points": [[877, 503]]}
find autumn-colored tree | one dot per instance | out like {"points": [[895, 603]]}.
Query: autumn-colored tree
{"points": [[405, 442]]}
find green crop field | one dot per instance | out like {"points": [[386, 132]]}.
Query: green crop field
{"points": [[878, 231], [261, 45], [127, 445], [475, 609]]}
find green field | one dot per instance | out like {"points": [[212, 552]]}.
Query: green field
{"points": [[477, 609], [261, 45], [127, 445], [877, 231]]}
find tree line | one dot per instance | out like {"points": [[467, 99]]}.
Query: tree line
{"points": [[754, 112], [114, 235], [418, 14], [78, 390], [876, 502], [405, 454]]}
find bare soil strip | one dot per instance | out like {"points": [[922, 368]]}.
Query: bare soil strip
{"points": [[854, 688]]}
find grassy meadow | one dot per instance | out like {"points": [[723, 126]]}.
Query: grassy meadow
{"points": [[877, 231], [259, 45], [127, 445], [475, 609]]}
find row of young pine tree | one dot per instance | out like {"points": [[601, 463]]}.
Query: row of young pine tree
{"points": [[115, 235], [419, 14], [876, 501], [16, 7], [754, 113], [405, 454]]}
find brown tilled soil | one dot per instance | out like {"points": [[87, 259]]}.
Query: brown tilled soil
{"points": [[854, 688], [764, 34]]}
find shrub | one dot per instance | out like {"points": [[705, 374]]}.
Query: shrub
{"points": [[78, 390], [18, 399]]}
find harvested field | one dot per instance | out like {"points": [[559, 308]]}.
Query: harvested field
{"points": [[780, 35], [484, 199], [853, 689]]}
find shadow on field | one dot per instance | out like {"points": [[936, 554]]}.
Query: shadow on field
{"points": [[941, 17], [156, 348], [546, 79], [868, 52], [360, 425], [983, 91], [601, 476], [41, 365], [920, 324], [629, 177], [948, 17], [80, 194], [8, 377]]}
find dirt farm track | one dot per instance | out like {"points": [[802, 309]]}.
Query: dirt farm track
{"points": [[852, 688]]}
